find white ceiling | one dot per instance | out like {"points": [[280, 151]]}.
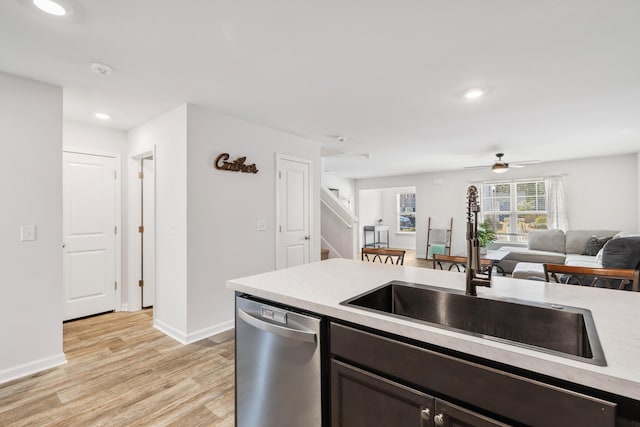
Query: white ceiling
{"points": [[563, 76]]}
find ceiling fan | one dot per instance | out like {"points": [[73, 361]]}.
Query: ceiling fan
{"points": [[500, 166]]}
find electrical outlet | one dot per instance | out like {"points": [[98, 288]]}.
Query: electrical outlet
{"points": [[27, 233]]}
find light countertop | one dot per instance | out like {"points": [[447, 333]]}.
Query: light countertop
{"points": [[320, 287]]}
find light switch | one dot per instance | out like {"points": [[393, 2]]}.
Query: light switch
{"points": [[261, 225], [27, 233]]}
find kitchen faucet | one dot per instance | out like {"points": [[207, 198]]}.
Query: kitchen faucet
{"points": [[475, 277]]}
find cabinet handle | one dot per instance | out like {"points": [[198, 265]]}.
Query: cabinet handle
{"points": [[439, 420], [425, 417]]}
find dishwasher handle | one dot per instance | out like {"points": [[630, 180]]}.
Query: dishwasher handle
{"points": [[296, 334]]}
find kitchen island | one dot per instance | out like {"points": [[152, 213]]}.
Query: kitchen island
{"points": [[321, 287]]}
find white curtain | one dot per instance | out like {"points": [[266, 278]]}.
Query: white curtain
{"points": [[556, 211]]}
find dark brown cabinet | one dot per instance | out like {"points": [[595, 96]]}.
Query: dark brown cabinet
{"points": [[361, 398], [381, 381]]}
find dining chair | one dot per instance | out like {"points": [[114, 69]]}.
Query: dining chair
{"points": [[459, 262], [612, 278], [383, 255]]}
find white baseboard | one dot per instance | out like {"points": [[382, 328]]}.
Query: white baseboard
{"points": [[124, 307], [209, 332], [192, 337], [32, 367], [177, 335]]}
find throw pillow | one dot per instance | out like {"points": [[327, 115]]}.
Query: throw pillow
{"points": [[622, 253], [594, 244], [599, 256], [621, 234]]}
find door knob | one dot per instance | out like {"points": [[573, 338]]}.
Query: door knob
{"points": [[307, 237], [63, 245], [439, 420]]}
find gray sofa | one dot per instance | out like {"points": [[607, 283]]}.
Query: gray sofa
{"points": [[557, 247]]}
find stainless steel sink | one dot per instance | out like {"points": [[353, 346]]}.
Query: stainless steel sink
{"points": [[560, 330]]}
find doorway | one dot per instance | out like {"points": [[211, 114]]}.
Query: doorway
{"points": [[143, 214], [293, 211], [91, 236]]}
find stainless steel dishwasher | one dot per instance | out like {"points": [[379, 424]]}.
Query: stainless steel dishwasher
{"points": [[278, 366]]}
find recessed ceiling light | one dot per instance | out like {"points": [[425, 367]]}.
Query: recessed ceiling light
{"points": [[100, 68], [50, 7], [102, 116], [474, 93]]}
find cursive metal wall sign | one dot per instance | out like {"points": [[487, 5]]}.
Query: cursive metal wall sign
{"points": [[221, 163]]}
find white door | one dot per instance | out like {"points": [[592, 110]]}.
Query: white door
{"points": [[293, 214], [148, 237], [89, 234]]}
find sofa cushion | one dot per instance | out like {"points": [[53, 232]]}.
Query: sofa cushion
{"points": [[547, 240], [576, 240], [594, 244], [623, 252], [528, 255], [528, 270], [575, 260]]}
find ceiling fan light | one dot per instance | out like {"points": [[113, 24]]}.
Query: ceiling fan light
{"points": [[500, 167]]}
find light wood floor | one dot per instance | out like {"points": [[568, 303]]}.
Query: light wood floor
{"points": [[123, 372], [411, 260]]}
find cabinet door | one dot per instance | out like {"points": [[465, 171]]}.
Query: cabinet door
{"points": [[449, 415], [360, 398]]}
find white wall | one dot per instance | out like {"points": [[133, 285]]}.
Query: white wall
{"points": [[92, 137], [31, 164], [370, 206], [206, 218], [101, 140], [223, 208], [168, 133], [346, 187], [602, 193]]}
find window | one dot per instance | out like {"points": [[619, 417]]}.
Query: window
{"points": [[513, 208], [406, 216]]}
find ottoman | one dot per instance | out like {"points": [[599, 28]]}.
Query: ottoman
{"points": [[528, 270]]}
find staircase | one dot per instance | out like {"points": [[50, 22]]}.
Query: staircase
{"points": [[338, 227]]}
